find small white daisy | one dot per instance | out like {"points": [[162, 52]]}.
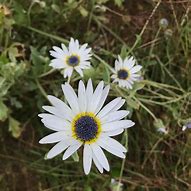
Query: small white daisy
{"points": [[125, 72], [84, 122], [75, 57]]}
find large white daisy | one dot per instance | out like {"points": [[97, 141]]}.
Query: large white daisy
{"points": [[75, 57], [83, 122], [125, 72]]}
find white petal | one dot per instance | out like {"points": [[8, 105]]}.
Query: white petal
{"points": [[113, 143], [82, 97], [54, 122], [71, 150], [184, 127], [129, 62], [96, 97], [109, 107], [54, 137], [79, 70], [100, 156], [110, 148], [115, 116], [72, 47], [117, 65], [71, 97], [117, 125], [58, 50], [114, 76], [57, 149], [65, 50], [114, 133], [136, 69], [127, 85], [120, 61], [60, 105], [87, 160], [119, 105], [58, 112], [55, 54], [89, 92], [102, 99], [58, 64], [68, 72], [97, 164]]}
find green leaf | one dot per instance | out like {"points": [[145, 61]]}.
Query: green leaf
{"points": [[119, 2], [137, 86], [88, 188], [3, 111], [131, 103], [106, 75], [159, 123], [56, 8], [123, 52], [83, 11], [14, 127]]}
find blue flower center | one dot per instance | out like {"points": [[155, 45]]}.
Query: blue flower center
{"points": [[73, 60], [86, 128], [122, 74]]}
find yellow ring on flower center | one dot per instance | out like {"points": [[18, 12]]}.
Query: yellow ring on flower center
{"points": [[123, 74], [86, 127], [73, 60]]}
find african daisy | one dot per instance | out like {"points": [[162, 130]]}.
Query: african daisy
{"points": [[85, 122], [125, 73], [75, 57]]}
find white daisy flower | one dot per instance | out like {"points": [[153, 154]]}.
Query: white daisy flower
{"points": [[125, 72], [75, 57], [83, 122]]}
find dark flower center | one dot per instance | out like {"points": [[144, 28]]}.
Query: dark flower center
{"points": [[86, 128], [73, 61], [123, 74]]}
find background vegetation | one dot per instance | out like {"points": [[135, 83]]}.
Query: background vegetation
{"points": [[155, 161]]}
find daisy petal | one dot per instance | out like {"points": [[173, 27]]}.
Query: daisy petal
{"points": [[71, 97], [113, 143], [55, 122], [97, 164], [89, 92], [68, 72], [82, 97], [57, 149], [60, 105], [79, 70], [71, 150], [87, 161], [58, 112], [54, 137], [114, 133], [111, 126], [136, 69], [102, 99], [100, 156], [115, 151], [115, 116], [96, 97], [109, 107], [129, 62]]}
